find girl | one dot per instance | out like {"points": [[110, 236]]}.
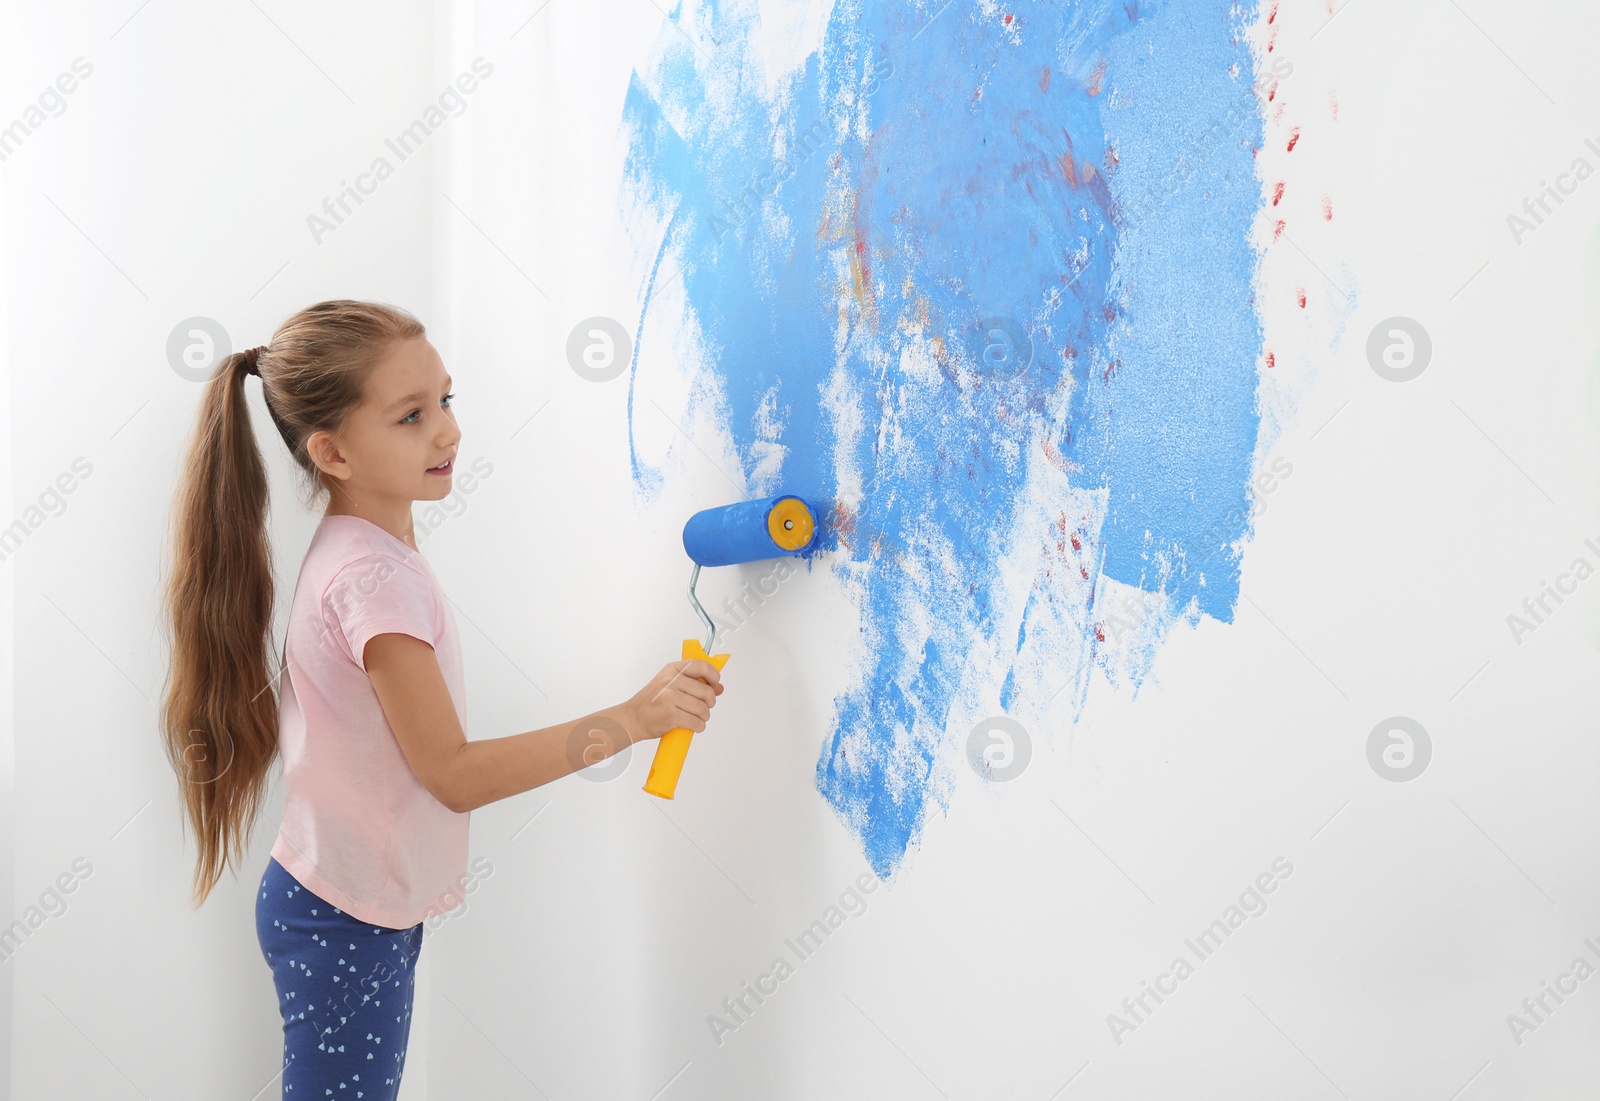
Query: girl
{"points": [[370, 703]]}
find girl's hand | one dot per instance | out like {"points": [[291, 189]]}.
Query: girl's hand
{"points": [[682, 694]]}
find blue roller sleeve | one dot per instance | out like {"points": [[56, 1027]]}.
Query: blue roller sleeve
{"points": [[732, 534]]}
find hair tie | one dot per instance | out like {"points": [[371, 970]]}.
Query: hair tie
{"points": [[250, 359]]}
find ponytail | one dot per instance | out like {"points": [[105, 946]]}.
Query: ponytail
{"points": [[220, 716]]}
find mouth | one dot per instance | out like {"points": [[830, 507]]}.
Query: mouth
{"points": [[443, 468]]}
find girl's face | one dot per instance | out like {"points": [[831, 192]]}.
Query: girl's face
{"points": [[392, 442]]}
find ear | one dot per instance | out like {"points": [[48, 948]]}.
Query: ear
{"points": [[324, 452]]}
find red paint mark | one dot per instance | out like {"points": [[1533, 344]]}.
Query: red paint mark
{"points": [[1069, 167], [1083, 573], [1053, 456], [860, 235], [1277, 230], [1095, 78], [1272, 39], [1098, 633], [1109, 312], [843, 521], [1008, 19], [1330, 7], [1327, 209], [1277, 193], [1077, 546], [1272, 13], [1272, 361], [1333, 104], [1272, 91], [1044, 81], [1111, 368], [1294, 138], [1300, 293]]}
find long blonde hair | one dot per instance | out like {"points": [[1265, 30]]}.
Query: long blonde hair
{"points": [[219, 717]]}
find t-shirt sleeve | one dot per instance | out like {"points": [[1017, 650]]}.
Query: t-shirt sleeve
{"points": [[377, 594]]}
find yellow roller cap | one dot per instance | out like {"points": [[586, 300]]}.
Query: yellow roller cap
{"points": [[791, 524]]}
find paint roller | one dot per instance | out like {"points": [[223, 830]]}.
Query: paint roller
{"points": [[750, 531]]}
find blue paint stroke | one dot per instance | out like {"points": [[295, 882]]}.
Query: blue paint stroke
{"points": [[1084, 170]]}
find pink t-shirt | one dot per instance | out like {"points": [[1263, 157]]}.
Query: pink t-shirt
{"points": [[359, 830]]}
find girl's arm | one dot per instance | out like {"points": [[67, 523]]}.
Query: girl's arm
{"points": [[464, 775]]}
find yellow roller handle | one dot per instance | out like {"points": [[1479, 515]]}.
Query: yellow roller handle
{"points": [[673, 746]]}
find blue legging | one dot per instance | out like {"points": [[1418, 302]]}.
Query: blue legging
{"points": [[344, 989]]}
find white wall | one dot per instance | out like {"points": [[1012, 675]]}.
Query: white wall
{"points": [[1418, 915], [176, 183]]}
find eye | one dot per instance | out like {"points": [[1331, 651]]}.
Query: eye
{"points": [[417, 412]]}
